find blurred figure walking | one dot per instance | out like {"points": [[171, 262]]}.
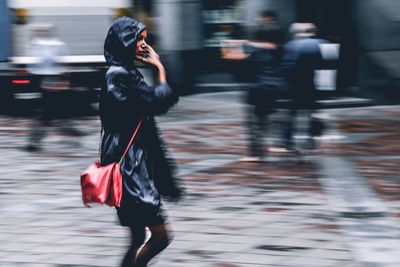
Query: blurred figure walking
{"points": [[302, 56], [263, 55], [50, 79], [264, 58], [146, 171]]}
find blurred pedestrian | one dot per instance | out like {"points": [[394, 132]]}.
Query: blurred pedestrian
{"points": [[263, 56], [146, 170], [302, 56], [264, 59], [51, 79]]}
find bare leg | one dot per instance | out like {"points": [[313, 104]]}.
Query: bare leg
{"points": [[138, 237], [158, 241]]}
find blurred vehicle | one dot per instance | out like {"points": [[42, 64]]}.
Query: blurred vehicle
{"points": [[80, 24]]}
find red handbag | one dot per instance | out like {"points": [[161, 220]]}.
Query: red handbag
{"points": [[103, 184]]}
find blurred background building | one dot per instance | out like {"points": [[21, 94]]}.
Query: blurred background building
{"points": [[188, 35]]}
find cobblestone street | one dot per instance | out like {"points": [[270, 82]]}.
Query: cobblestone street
{"points": [[338, 205]]}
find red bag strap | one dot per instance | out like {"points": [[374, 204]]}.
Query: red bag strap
{"points": [[130, 142]]}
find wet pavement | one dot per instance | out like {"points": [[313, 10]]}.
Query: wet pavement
{"points": [[338, 205]]}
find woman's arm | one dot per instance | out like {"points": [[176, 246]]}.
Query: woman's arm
{"points": [[129, 93], [153, 58], [148, 100]]}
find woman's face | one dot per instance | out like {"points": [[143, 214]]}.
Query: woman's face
{"points": [[141, 45]]}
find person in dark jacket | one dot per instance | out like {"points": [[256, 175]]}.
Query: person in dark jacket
{"points": [[302, 56], [262, 57], [146, 170]]}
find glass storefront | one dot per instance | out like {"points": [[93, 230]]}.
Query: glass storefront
{"points": [[223, 20]]}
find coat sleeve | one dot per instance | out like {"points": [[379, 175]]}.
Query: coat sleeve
{"points": [[136, 96]]}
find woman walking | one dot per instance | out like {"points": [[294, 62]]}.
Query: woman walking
{"points": [[125, 101]]}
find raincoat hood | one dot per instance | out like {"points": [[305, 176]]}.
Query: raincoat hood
{"points": [[120, 43]]}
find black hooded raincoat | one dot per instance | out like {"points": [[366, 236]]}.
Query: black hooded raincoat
{"points": [[125, 99]]}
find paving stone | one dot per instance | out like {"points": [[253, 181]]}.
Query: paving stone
{"points": [[235, 214]]}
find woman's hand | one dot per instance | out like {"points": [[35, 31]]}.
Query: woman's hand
{"points": [[152, 58]]}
